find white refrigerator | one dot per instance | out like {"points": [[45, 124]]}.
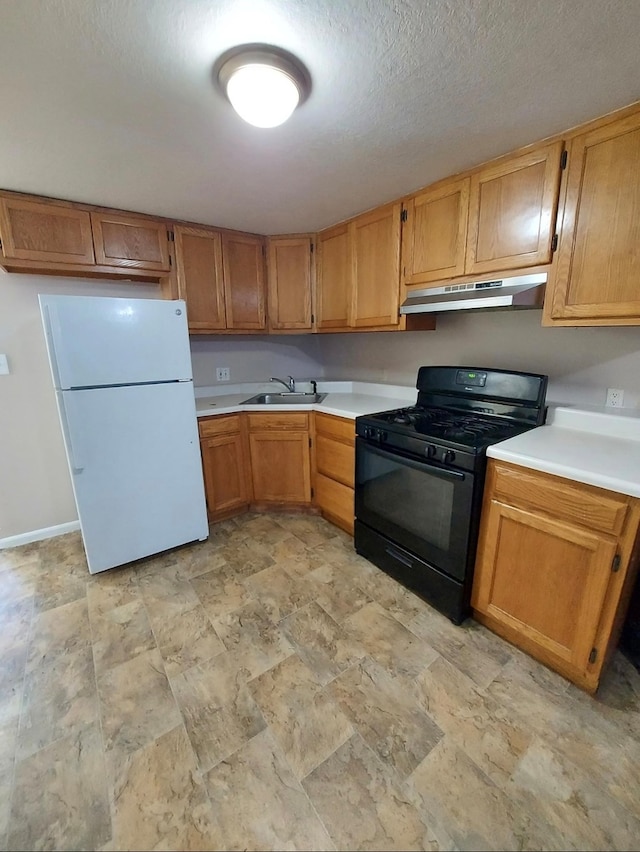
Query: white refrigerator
{"points": [[122, 373]]}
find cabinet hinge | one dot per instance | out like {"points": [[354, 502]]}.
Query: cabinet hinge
{"points": [[563, 159], [312, 492], [170, 236], [310, 442], [403, 215], [615, 565], [311, 248], [170, 261], [593, 655], [264, 251], [313, 319], [554, 242]]}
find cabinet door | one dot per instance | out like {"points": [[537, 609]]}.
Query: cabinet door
{"points": [[545, 580], [244, 288], [333, 288], [129, 242], [225, 478], [289, 276], [280, 467], [45, 232], [376, 267], [598, 263], [435, 232], [512, 211], [200, 281]]}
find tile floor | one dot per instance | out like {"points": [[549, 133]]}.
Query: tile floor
{"points": [[269, 689]]}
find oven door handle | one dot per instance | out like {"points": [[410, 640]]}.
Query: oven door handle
{"points": [[424, 467]]}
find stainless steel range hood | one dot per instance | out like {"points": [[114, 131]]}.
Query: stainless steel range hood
{"points": [[523, 291]]}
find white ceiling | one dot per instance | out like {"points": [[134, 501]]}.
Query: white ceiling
{"points": [[112, 102]]}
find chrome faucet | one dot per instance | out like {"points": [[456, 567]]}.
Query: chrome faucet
{"points": [[290, 384]]}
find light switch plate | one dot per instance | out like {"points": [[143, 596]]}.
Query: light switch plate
{"points": [[4, 365]]}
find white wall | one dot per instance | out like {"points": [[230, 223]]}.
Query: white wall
{"points": [[35, 485], [581, 362]]}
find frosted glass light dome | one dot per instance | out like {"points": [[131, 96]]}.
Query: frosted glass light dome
{"points": [[264, 84], [263, 95]]}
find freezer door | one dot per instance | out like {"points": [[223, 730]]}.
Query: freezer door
{"points": [[134, 457], [97, 341]]}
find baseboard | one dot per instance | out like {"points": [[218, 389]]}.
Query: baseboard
{"points": [[38, 535]]}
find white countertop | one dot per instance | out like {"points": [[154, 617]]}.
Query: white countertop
{"points": [[344, 399], [594, 446]]}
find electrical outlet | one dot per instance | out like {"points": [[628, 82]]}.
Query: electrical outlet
{"points": [[223, 374], [615, 397]]}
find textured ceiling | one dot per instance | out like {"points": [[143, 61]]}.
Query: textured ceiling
{"points": [[112, 102]]}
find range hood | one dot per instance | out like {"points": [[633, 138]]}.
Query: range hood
{"points": [[522, 291]]}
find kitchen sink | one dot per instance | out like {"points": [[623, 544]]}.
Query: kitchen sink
{"points": [[291, 398]]}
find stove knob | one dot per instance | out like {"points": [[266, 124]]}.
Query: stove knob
{"points": [[382, 436], [430, 451], [448, 457]]}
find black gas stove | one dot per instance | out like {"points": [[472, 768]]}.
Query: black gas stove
{"points": [[420, 475]]}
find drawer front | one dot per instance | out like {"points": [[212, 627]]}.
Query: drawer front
{"points": [[585, 505], [296, 420], [336, 500], [221, 425], [335, 460], [336, 427]]}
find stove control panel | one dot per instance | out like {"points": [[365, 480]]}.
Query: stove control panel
{"points": [[373, 434], [440, 454]]}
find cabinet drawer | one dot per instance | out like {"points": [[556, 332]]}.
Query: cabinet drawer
{"points": [[222, 425], [586, 505], [335, 460], [296, 420], [336, 500], [336, 427]]}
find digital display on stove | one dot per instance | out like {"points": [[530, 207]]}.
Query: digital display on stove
{"points": [[470, 378]]}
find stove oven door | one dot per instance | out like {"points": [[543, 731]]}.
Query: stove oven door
{"points": [[424, 508]]}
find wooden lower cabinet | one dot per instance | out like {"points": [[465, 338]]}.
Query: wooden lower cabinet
{"points": [[334, 467], [279, 452], [555, 567], [224, 464]]}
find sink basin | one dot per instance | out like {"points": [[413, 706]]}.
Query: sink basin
{"points": [[284, 399]]}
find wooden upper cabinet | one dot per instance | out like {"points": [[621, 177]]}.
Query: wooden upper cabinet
{"points": [[200, 279], [45, 233], [512, 211], [597, 280], [244, 284], [376, 267], [333, 278], [289, 279], [435, 232], [130, 242]]}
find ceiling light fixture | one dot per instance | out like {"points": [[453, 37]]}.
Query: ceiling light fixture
{"points": [[264, 84]]}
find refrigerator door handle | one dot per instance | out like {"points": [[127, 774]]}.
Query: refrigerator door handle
{"points": [[75, 458]]}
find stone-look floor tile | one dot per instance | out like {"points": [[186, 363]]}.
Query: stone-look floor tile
{"points": [[57, 631], [460, 801], [59, 698], [389, 642], [400, 602], [60, 798], [111, 589], [160, 801], [136, 704], [618, 698], [17, 557], [221, 591], [307, 529], [13, 662], [473, 720], [219, 712], [581, 813], [8, 740], [278, 592], [360, 804], [299, 565], [247, 557], [198, 558], [264, 529], [120, 634], [470, 646], [255, 641], [259, 803], [307, 723], [383, 710], [15, 621], [325, 646], [165, 592], [186, 638], [19, 580], [336, 590]]}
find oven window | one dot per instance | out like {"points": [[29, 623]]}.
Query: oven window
{"points": [[410, 499]]}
